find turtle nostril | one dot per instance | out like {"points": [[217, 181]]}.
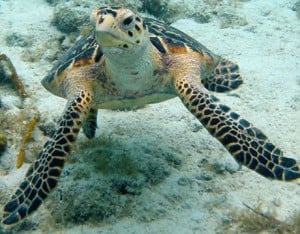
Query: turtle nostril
{"points": [[100, 21], [130, 33]]}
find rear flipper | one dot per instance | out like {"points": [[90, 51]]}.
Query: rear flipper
{"points": [[90, 124], [43, 174], [247, 144], [225, 77]]}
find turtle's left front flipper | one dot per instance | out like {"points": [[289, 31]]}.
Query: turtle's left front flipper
{"points": [[42, 176], [248, 145]]}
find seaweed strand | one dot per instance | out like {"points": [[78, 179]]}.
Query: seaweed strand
{"points": [[26, 137]]}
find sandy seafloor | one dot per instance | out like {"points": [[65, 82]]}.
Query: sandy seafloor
{"points": [[191, 198]]}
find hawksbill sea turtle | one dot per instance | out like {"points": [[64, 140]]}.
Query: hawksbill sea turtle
{"points": [[127, 61]]}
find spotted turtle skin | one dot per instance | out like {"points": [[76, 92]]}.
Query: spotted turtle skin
{"points": [[128, 61]]}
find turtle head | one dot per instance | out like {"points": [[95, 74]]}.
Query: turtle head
{"points": [[118, 27]]}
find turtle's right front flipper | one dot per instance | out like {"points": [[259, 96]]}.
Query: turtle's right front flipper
{"points": [[43, 174]]}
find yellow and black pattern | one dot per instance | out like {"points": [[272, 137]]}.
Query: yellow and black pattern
{"points": [[225, 77], [42, 176], [86, 51], [173, 37], [247, 144]]}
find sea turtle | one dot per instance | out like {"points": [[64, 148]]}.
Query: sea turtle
{"points": [[127, 61]]}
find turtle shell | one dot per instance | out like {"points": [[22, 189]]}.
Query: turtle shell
{"points": [[169, 39], [85, 51], [165, 38]]}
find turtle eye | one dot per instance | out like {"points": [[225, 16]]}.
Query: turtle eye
{"points": [[127, 22]]}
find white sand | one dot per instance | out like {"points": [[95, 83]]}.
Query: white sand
{"points": [[267, 51]]}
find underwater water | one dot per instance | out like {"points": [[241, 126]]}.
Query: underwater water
{"points": [[154, 169]]}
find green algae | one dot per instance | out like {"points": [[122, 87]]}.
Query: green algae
{"points": [[254, 220]]}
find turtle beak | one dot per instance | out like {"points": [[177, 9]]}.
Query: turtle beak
{"points": [[104, 34], [105, 38]]}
